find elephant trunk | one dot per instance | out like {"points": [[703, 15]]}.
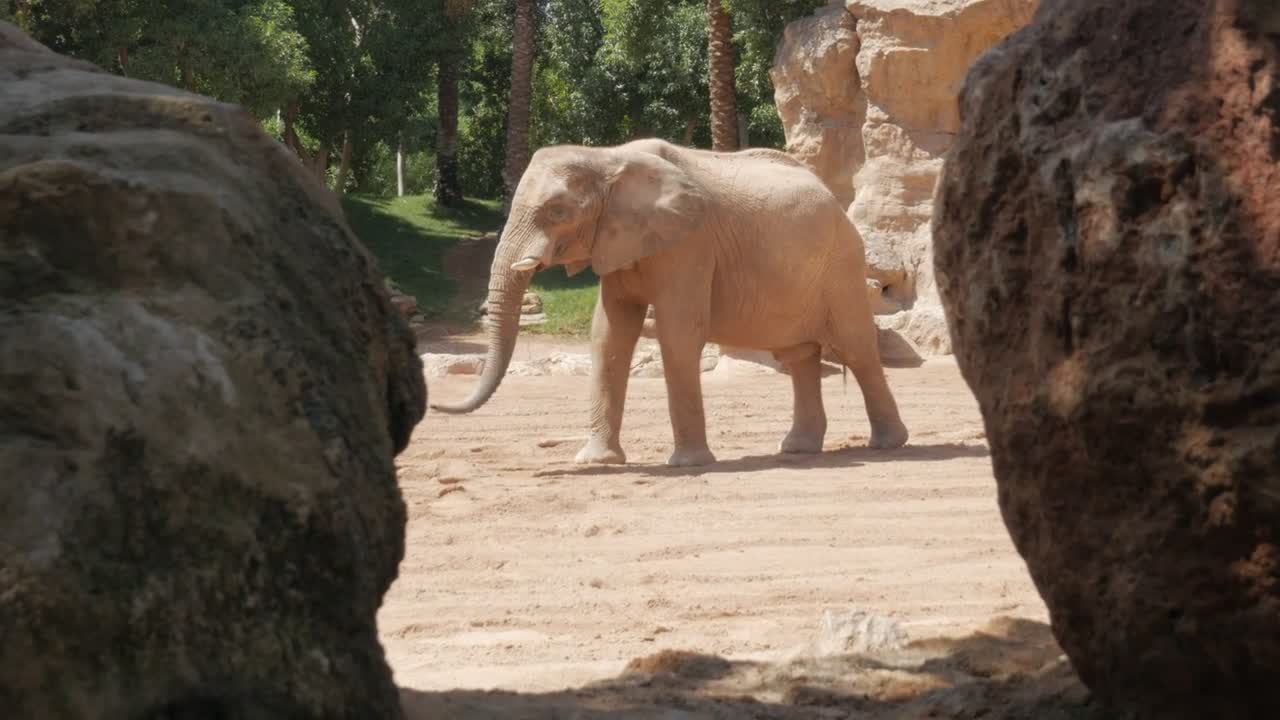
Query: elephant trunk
{"points": [[506, 293]]}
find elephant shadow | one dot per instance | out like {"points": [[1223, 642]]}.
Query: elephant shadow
{"points": [[844, 458]]}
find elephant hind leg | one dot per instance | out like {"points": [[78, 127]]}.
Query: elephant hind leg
{"points": [[681, 337], [855, 341], [808, 418]]}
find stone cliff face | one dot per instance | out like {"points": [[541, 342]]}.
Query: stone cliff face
{"points": [[867, 94]]}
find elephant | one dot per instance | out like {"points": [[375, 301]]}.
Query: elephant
{"points": [[748, 249]]}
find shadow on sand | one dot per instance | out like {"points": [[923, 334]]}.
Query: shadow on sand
{"points": [[1010, 670], [850, 457]]}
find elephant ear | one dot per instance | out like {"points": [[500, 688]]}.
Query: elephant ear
{"points": [[650, 205]]}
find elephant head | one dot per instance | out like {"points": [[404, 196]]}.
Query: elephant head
{"points": [[578, 206]]}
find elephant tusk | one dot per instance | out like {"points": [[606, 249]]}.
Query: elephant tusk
{"points": [[525, 264]]}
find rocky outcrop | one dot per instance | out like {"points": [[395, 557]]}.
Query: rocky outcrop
{"points": [[817, 93], [1108, 250], [866, 90], [205, 384]]}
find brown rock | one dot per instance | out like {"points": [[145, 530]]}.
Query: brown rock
{"points": [[406, 304], [1108, 249], [204, 386]]}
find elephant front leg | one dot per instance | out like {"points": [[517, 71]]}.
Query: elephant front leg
{"points": [[681, 342], [615, 328]]}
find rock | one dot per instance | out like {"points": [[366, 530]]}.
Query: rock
{"points": [[710, 359], [896, 350], [743, 361], [867, 96], [442, 364], [558, 364], [881, 304], [844, 632], [1108, 251], [205, 385], [923, 327], [531, 304], [406, 304], [818, 95], [649, 329], [647, 363]]}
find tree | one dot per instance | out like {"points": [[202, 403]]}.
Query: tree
{"points": [[523, 46], [758, 26], [367, 56], [248, 52], [448, 187], [720, 55]]}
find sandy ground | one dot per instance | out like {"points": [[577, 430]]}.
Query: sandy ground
{"points": [[526, 572]]}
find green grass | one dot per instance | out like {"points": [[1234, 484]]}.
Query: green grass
{"points": [[569, 302], [410, 236]]}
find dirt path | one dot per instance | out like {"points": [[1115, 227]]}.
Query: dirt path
{"points": [[526, 572]]}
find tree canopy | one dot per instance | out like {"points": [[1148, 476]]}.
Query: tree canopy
{"points": [[348, 83]]}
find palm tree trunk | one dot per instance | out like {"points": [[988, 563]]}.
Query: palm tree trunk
{"points": [[724, 101], [318, 163], [344, 164], [400, 166], [522, 50], [448, 190]]}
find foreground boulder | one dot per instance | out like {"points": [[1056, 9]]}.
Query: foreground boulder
{"points": [[204, 386], [1108, 252]]}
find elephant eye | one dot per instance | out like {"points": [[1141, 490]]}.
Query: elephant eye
{"points": [[557, 213]]}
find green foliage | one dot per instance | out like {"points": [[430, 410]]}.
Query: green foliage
{"points": [[244, 51], [484, 93], [758, 26], [613, 70], [371, 60], [606, 71], [409, 236], [569, 302], [376, 172]]}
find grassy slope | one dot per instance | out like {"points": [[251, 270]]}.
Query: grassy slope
{"points": [[410, 236]]}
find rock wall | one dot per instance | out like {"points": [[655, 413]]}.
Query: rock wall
{"points": [[204, 386], [1108, 250], [866, 90]]}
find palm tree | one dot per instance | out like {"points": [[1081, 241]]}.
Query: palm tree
{"points": [[724, 102], [522, 50], [448, 189]]}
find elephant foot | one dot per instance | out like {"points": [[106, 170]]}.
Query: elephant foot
{"points": [[801, 443], [691, 457], [887, 436], [599, 452]]}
